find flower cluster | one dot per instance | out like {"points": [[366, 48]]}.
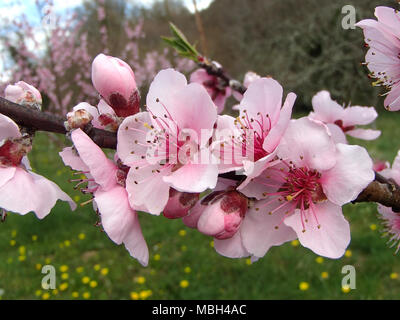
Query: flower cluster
{"points": [[251, 182], [382, 37], [292, 176]]}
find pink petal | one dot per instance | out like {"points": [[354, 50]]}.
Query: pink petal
{"points": [[337, 133], [132, 137], [308, 143], [258, 229], [121, 222], [266, 181], [223, 148], [390, 18], [193, 177], [277, 131], [263, 96], [254, 169], [200, 75], [6, 173], [392, 101], [333, 236], [28, 191], [366, 134], [350, 175], [326, 109], [250, 77], [8, 128], [104, 107], [70, 158], [188, 104], [232, 247], [163, 89], [358, 116], [147, 188], [101, 168]]}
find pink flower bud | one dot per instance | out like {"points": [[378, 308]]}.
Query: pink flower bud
{"points": [[25, 94], [222, 214], [179, 203], [115, 81]]}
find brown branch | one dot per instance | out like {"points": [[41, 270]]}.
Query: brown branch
{"points": [[216, 70], [381, 190], [45, 121]]}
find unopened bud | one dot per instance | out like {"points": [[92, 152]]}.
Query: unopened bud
{"points": [[24, 94], [115, 81], [222, 214], [78, 119], [179, 204]]}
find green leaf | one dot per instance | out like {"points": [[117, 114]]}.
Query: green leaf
{"points": [[181, 44]]}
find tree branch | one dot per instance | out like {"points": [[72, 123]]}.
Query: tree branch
{"points": [[214, 69], [381, 190], [45, 121]]}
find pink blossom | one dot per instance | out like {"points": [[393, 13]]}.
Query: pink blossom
{"points": [[250, 140], [301, 193], [391, 219], [168, 145], [382, 36], [22, 190], [342, 121], [218, 92], [106, 181], [115, 81], [23, 93]]}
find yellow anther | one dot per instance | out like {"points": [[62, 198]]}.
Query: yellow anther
{"points": [[146, 125], [289, 198], [238, 120]]}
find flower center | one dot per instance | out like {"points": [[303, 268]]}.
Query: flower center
{"points": [[339, 123], [303, 187], [170, 144], [293, 188], [253, 133], [12, 152]]}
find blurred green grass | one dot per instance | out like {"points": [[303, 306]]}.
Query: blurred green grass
{"points": [[183, 264]]}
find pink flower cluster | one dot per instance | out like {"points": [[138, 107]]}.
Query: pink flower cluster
{"points": [[251, 182], [178, 158], [382, 37]]}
